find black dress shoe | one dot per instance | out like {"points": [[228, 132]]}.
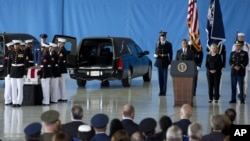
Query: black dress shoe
{"points": [[64, 100], [232, 101], [7, 104], [18, 105], [45, 104], [210, 101], [162, 94], [14, 105], [51, 102]]}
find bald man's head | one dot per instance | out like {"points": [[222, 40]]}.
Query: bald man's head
{"points": [[128, 111]]}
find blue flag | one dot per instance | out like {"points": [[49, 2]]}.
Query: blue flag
{"points": [[215, 27]]}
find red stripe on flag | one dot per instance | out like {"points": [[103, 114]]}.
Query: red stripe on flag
{"points": [[193, 24]]}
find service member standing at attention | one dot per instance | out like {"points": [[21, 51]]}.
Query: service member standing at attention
{"points": [[29, 53], [54, 82], [245, 47], [46, 74], [38, 50], [163, 55], [63, 70], [214, 66], [16, 69], [7, 82], [238, 62]]}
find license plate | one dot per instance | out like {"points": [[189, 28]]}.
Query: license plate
{"points": [[94, 73]]}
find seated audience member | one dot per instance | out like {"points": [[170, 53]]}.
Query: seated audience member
{"points": [[231, 114], [85, 132], [174, 133], [147, 128], [185, 116], [61, 136], [217, 124], [32, 131], [194, 132], [71, 128], [115, 125], [49, 119], [127, 120], [120, 135], [136, 136], [99, 123], [165, 122], [227, 121]]}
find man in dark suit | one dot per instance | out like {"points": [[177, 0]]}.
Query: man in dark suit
{"points": [[127, 120], [185, 53], [99, 123], [185, 115], [71, 128], [164, 56]]}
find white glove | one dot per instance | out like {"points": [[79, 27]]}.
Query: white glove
{"points": [[24, 76], [169, 67], [8, 76], [155, 55], [198, 68]]}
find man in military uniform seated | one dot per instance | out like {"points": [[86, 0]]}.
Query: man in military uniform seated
{"points": [[32, 131], [238, 62], [99, 123]]}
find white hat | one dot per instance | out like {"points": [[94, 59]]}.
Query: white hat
{"points": [[45, 45], [9, 44], [29, 41], [84, 128], [61, 40], [16, 41], [52, 44], [22, 44], [241, 34]]}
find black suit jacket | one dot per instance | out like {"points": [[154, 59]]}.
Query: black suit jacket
{"points": [[130, 126], [71, 128], [190, 55], [183, 124]]}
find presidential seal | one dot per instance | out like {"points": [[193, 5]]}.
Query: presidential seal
{"points": [[182, 67]]}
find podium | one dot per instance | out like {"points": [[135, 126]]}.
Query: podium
{"points": [[183, 73]]}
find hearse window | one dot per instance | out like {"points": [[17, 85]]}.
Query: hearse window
{"points": [[133, 48], [1, 48], [68, 46]]}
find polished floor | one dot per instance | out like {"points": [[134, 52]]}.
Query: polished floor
{"points": [[144, 96]]}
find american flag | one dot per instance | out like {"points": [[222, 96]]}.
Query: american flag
{"points": [[193, 24]]}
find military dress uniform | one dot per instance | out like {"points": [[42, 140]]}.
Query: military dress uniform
{"points": [[7, 82], [54, 82], [100, 121], [46, 75], [38, 50], [63, 70], [214, 63], [238, 59], [163, 55], [17, 69], [29, 54]]}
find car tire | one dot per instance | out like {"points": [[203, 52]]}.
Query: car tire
{"points": [[127, 81], [147, 77], [81, 83]]}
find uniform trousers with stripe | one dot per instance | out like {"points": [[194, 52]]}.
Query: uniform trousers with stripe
{"points": [[45, 82], [17, 90], [7, 90], [62, 87], [54, 89]]}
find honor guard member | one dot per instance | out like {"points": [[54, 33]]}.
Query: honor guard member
{"points": [[50, 119], [29, 53], [163, 55], [54, 82], [99, 123], [7, 82], [46, 74], [245, 47], [38, 50], [17, 68], [32, 131], [238, 62], [63, 70], [198, 61]]}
